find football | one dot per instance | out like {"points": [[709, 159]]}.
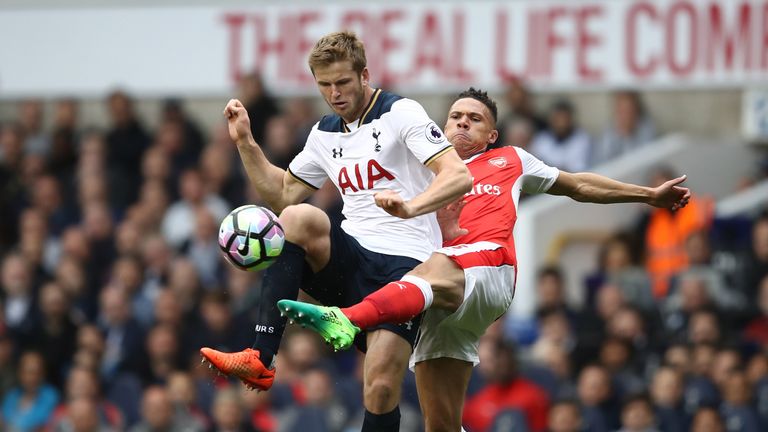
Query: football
{"points": [[251, 237]]}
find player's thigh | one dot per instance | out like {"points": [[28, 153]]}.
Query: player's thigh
{"points": [[309, 227], [446, 278], [386, 361], [442, 384]]}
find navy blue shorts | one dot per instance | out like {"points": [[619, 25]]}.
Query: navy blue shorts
{"points": [[352, 273]]}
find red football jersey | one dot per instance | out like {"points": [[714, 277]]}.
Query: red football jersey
{"points": [[498, 177]]}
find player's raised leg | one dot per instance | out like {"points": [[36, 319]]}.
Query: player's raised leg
{"points": [[437, 282], [307, 237]]}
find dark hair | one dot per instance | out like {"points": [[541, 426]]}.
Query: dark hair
{"points": [[483, 97]]}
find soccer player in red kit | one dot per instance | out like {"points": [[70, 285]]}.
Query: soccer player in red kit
{"points": [[469, 283]]}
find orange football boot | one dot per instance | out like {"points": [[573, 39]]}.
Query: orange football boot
{"points": [[245, 365]]}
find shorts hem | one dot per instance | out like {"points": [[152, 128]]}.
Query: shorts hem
{"points": [[475, 360]]}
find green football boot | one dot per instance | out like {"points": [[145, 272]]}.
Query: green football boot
{"points": [[329, 322]]}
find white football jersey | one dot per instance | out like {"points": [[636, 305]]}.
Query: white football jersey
{"points": [[387, 148]]}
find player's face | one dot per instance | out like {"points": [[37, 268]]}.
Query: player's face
{"points": [[343, 89], [470, 127]]}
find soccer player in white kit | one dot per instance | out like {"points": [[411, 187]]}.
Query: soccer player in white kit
{"points": [[393, 167], [469, 282]]}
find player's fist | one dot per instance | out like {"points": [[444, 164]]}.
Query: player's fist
{"points": [[393, 204], [671, 195], [237, 119]]}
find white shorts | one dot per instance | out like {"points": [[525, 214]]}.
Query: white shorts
{"points": [[489, 275]]}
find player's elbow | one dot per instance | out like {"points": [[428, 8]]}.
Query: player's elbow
{"points": [[463, 179]]}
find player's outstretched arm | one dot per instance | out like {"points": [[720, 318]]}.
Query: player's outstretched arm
{"points": [[452, 180], [595, 188], [274, 185]]}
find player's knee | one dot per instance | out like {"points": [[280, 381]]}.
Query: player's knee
{"points": [[304, 223], [379, 394]]}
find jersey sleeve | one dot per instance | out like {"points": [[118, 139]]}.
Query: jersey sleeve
{"points": [[538, 177], [305, 167], [421, 135]]}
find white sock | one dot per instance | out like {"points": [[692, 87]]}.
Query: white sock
{"points": [[424, 286]]}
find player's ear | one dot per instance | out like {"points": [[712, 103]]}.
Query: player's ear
{"points": [[365, 76], [493, 136]]}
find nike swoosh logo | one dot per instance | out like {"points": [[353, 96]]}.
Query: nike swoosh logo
{"points": [[243, 248]]}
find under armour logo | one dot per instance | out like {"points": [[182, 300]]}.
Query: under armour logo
{"points": [[402, 287], [408, 324], [375, 136], [337, 154]]}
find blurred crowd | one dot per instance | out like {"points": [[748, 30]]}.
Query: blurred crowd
{"points": [[111, 280]]}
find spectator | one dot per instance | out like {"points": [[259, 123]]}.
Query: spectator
{"points": [[756, 268], [737, 410], [617, 265], [220, 329], [637, 415], [261, 106], [157, 413], [707, 419], [667, 396], [27, 407], [279, 144], [173, 112], [126, 142], [616, 355], [505, 389], [756, 330], [202, 248], [598, 401], [258, 410], [123, 335], [83, 416], [666, 233], [170, 140], [7, 366], [83, 385], [704, 327], [156, 167], [47, 197], [321, 410], [184, 283], [181, 390], [97, 226], [518, 133], [563, 144], [564, 416], [54, 332], [519, 107], [229, 415], [176, 224], [163, 355], [70, 276], [221, 175], [700, 390], [64, 138], [18, 296], [631, 128], [36, 141]]}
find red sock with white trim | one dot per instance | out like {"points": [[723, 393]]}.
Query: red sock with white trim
{"points": [[395, 302]]}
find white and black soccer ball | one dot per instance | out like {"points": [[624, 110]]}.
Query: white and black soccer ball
{"points": [[251, 237]]}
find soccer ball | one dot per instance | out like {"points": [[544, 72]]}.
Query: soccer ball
{"points": [[251, 237]]}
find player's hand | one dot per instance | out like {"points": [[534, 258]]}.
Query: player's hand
{"points": [[448, 218], [670, 195], [393, 204], [238, 121]]}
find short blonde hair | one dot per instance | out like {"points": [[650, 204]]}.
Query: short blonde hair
{"points": [[335, 47]]}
